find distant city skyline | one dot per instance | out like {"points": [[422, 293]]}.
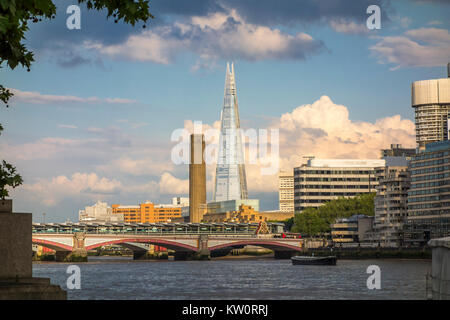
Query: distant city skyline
{"points": [[92, 120]]}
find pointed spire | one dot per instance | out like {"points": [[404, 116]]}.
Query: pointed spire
{"points": [[232, 68]]}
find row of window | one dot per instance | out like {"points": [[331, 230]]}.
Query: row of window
{"points": [[430, 170], [302, 171], [327, 186], [431, 177]]}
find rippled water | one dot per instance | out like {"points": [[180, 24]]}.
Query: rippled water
{"points": [[122, 278]]}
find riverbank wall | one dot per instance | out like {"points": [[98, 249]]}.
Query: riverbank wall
{"points": [[372, 253]]}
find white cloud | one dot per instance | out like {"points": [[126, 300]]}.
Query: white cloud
{"points": [[51, 192], [435, 22], [424, 47], [67, 126], [348, 27], [39, 98], [172, 185], [218, 35]]}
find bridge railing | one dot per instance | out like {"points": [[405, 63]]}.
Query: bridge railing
{"points": [[222, 234]]}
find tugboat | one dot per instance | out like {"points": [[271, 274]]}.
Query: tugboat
{"points": [[307, 260]]}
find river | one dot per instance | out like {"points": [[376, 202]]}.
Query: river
{"points": [[123, 278]]}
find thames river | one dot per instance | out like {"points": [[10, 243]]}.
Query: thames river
{"points": [[123, 278]]}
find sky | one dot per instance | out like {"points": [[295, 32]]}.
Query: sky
{"points": [[93, 118]]}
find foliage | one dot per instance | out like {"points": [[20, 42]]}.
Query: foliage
{"points": [[315, 221], [15, 16], [8, 177]]}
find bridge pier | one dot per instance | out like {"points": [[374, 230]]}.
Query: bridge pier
{"points": [[140, 255], [60, 256], [183, 255]]}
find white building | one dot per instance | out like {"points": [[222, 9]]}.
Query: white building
{"points": [[322, 180], [99, 212], [286, 191]]}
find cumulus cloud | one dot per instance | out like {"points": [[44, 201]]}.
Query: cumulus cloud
{"points": [[172, 185], [50, 192], [39, 98], [323, 129], [348, 26], [139, 166], [424, 47], [217, 35]]}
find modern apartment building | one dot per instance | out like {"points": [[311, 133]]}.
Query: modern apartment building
{"points": [[429, 195], [286, 191], [322, 180], [148, 212], [431, 102], [391, 202]]}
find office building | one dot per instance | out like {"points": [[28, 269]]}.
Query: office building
{"points": [[197, 178], [148, 212], [352, 229], [429, 195], [230, 179], [321, 180], [391, 202], [286, 191], [431, 102]]}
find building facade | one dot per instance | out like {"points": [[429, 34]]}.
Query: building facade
{"points": [[322, 180], [148, 212], [351, 230], [230, 179], [99, 212], [391, 202], [431, 102], [286, 191], [429, 195], [397, 150]]}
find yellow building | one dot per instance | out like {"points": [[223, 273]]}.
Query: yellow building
{"points": [[246, 214], [147, 212]]}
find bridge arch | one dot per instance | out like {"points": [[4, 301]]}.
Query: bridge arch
{"points": [[173, 245], [52, 245], [272, 245]]}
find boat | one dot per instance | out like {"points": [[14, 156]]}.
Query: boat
{"points": [[307, 260]]}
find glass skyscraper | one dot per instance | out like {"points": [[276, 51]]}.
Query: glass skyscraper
{"points": [[231, 182]]}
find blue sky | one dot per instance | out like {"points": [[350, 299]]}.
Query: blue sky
{"points": [[92, 119]]}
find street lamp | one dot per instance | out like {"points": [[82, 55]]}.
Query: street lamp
{"points": [[43, 216]]}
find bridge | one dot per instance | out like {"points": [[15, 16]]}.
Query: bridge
{"points": [[186, 240]]}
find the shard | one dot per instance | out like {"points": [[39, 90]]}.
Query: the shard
{"points": [[231, 182]]}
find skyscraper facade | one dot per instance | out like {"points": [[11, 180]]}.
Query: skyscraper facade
{"points": [[230, 181], [431, 102]]}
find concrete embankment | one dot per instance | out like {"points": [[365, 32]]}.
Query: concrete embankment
{"points": [[372, 253]]}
